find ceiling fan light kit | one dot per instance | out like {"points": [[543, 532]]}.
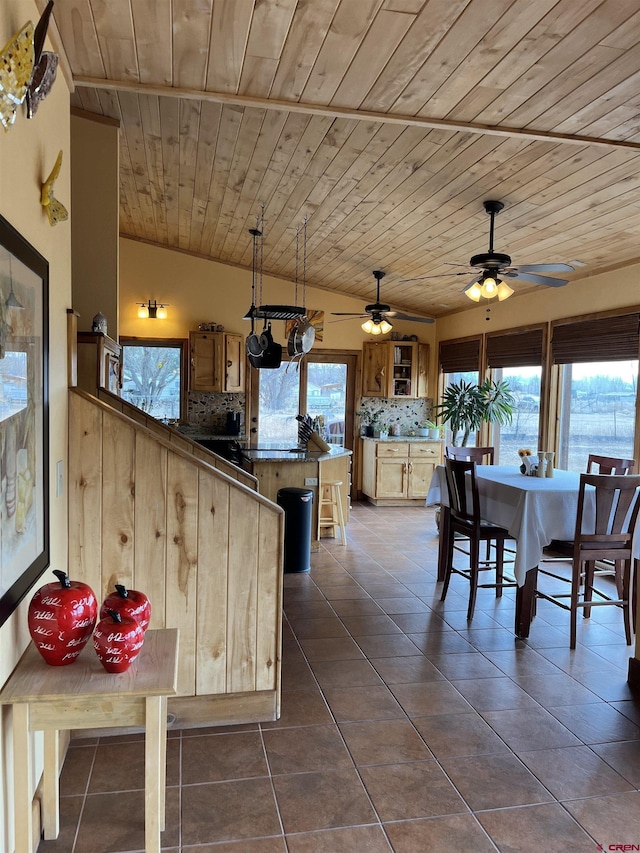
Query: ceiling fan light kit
{"points": [[378, 321], [488, 285]]}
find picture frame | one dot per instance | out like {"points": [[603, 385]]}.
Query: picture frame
{"points": [[24, 417]]}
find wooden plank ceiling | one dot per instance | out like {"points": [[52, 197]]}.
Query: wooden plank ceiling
{"points": [[384, 122]]}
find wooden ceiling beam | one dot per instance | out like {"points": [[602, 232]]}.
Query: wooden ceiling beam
{"points": [[347, 113]]}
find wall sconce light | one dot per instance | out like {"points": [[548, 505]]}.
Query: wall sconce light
{"points": [[152, 311], [488, 286]]}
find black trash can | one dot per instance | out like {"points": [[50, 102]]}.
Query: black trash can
{"points": [[297, 505]]}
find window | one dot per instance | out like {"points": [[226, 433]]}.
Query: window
{"points": [[523, 431], [460, 361], [597, 411], [516, 357], [154, 376], [596, 398]]}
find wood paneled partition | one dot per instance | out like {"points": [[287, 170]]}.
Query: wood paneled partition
{"points": [[205, 548], [171, 434]]}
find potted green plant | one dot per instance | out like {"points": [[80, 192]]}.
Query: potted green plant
{"points": [[379, 424], [466, 405], [371, 420], [430, 429]]}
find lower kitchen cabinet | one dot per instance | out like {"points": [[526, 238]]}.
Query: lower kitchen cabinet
{"points": [[398, 472]]}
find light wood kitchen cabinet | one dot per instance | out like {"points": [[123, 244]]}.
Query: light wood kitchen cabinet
{"points": [[395, 369], [398, 472], [99, 364], [217, 361]]}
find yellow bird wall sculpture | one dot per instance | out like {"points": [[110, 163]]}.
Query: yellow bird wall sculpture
{"points": [[56, 211]]}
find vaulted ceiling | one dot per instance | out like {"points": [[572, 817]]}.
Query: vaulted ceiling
{"points": [[384, 123]]}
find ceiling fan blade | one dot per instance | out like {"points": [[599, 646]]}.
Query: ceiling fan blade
{"points": [[346, 314], [346, 317], [520, 275], [440, 275], [398, 315], [544, 268]]}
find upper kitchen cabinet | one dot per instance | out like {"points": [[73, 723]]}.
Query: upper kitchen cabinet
{"points": [[217, 361], [395, 369]]}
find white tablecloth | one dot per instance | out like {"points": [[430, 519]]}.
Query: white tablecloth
{"points": [[534, 510]]}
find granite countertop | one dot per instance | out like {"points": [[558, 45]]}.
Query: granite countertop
{"points": [[404, 438], [276, 455]]}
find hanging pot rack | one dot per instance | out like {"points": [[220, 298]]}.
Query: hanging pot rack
{"points": [[268, 312]]}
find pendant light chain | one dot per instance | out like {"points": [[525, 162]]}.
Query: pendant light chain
{"points": [[304, 264], [261, 230], [295, 296]]}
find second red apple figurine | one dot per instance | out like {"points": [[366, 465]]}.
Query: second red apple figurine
{"points": [[131, 602]]}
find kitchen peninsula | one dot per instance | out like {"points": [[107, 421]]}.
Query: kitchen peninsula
{"points": [[280, 469]]}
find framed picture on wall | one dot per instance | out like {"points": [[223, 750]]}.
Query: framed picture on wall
{"points": [[24, 417]]}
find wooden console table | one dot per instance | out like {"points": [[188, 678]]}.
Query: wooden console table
{"points": [[83, 695]]}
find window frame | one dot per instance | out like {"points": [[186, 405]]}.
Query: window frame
{"points": [[174, 343]]}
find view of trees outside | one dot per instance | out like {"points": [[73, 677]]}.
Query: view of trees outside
{"points": [[279, 401], [523, 430], [597, 412], [279, 393], [151, 379]]}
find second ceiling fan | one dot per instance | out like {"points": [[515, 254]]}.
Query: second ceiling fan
{"points": [[496, 267], [379, 314]]}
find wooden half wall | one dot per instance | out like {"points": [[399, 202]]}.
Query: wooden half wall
{"points": [[206, 549], [171, 434]]}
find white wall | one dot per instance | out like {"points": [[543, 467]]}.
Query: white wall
{"points": [[27, 155]]}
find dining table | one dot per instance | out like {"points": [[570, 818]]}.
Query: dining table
{"points": [[535, 511]]}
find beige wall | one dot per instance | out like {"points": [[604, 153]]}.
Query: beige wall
{"points": [[199, 290], [27, 155], [95, 166]]}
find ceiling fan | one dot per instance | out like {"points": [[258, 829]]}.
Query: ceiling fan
{"points": [[496, 267], [379, 314]]}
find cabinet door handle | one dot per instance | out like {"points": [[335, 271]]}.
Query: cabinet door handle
{"points": [[410, 467]]}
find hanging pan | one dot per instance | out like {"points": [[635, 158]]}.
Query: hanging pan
{"points": [[254, 349], [271, 350], [301, 338]]}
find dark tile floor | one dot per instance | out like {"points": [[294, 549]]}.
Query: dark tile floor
{"points": [[402, 728]]}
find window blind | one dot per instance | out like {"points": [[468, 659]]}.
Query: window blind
{"points": [[459, 356], [516, 349], [606, 339]]}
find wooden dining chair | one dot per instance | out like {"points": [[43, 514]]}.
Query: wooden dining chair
{"points": [[480, 455], [465, 520], [609, 465], [607, 533], [597, 465]]}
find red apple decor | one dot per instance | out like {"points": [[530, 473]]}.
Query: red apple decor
{"points": [[61, 619], [117, 640], [130, 602]]}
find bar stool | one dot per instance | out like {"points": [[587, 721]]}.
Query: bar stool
{"points": [[333, 500]]}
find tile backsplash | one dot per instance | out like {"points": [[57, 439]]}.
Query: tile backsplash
{"points": [[408, 415], [210, 410]]}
